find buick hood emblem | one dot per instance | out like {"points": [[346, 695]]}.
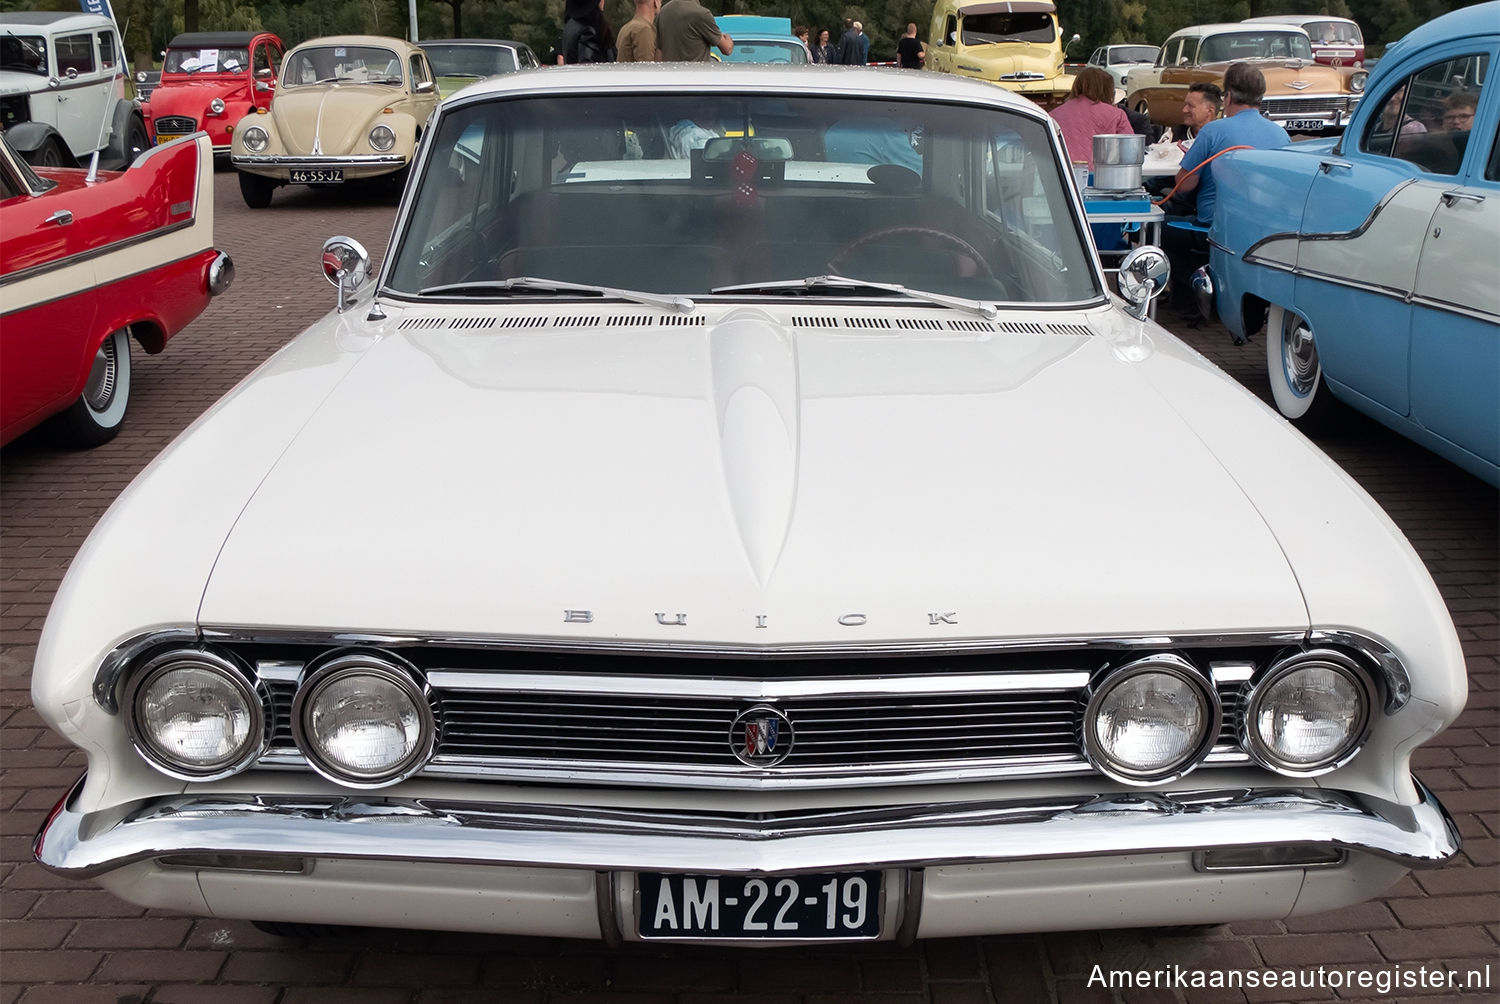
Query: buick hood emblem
{"points": [[761, 737]]}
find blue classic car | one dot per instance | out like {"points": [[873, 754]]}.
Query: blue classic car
{"points": [[762, 40], [1374, 259]]}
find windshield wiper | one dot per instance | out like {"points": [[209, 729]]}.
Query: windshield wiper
{"points": [[819, 283], [531, 284]]}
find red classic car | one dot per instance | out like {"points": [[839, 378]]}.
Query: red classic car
{"points": [[87, 264], [210, 80]]}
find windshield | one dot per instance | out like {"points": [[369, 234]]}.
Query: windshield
{"points": [[1255, 45], [206, 60], [1133, 54], [983, 29], [23, 53], [752, 50], [683, 194], [1334, 33], [470, 60], [342, 64]]}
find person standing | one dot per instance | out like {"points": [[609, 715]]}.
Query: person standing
{"points": [[863, 41], [848, 48], [686, 31], [636, 42], [823, 52], [586, 37], [910, 53]]}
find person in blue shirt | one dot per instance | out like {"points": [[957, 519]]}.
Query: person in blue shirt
{"points": [[1242, 125]]}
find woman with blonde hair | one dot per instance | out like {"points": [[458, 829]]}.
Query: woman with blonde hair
{"points": [[1089, 111]]}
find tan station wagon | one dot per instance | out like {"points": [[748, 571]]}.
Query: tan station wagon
{"points": [[1301, 94], [347, 108]]}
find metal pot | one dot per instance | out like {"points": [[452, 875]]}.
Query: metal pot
{"points": [[1117, 161]]}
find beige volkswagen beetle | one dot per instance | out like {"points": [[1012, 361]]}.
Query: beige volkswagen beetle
{"points": [[348, 107]]}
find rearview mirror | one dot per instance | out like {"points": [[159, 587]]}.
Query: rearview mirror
{"points": [[1142, 276]]}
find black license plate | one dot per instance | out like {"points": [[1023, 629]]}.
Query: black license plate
{"points": [[1303, 125], [317, 175], [789, 907]]}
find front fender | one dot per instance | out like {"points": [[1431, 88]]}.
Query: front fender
{"points": [[28, 137]]}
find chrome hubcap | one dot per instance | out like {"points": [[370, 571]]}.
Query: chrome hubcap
{"points": [[103, 375], [1299, 356]]}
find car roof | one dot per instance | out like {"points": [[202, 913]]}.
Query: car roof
{"points": [[1008, 7], [205, 39], [382, 41], [769, 79], [473, 41], [1298, 19], [1234, 26], [55, 18], [753, 24]]}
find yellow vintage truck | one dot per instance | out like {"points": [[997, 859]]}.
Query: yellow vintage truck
{"points": [[1014, 43]]}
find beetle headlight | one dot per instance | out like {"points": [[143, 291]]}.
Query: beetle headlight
{"points": [[216, 106], [195, 715], [361, 720], [1150, 721], [1308, 715], [256, 139], [382, 138]]}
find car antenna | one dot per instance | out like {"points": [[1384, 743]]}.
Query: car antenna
{"points": [[109, 108]]}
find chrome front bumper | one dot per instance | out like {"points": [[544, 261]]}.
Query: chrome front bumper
{"points": [[186, 829], [363, 160]]}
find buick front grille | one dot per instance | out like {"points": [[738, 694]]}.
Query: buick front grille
{"points": [[852, 720]]}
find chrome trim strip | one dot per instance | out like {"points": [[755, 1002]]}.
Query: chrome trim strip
{"points": [[604, 903], [911, 907], [432, 830], [759, 690], [1380, 655], [33, 271], [281, 160]]}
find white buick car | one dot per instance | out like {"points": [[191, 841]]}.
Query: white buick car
{"points": [[738, 510]]}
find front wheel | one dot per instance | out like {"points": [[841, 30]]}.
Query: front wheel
{"points": [[256, 190], [95, 417], [136, 140], [1293, 367], [49, 154]]}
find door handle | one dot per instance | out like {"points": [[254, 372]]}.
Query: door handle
{"points": [[1450, 198], [62, 218], [1329, 165]]}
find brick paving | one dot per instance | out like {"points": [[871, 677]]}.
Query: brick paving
{"points": [[71, 943]]}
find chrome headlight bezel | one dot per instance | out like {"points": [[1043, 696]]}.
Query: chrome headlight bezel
{"points": [[387, 669], [1357, 81], [1342, 666], [1211, 716], [216, 106], [382, 138], [240, 682], [255, 139]]}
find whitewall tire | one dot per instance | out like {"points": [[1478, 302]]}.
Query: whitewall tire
{"points": [[96, 416], [1294, 369]]}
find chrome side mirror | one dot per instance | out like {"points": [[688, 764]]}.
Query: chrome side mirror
{"points": [[346, 264], [425, 87], [1142, 276]]}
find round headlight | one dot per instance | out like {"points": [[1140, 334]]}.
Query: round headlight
{"points": [[196, 715], [216, 106], [382, 138], [1150, 721], [1308, 715], [361, 720], [140, 76], [1357, 81], [256, 139]]}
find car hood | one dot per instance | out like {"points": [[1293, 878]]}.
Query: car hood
{"points": [[334, 117], [749, 482], [12, 82], [1293, 75], [194, 95], [1004, 58]]}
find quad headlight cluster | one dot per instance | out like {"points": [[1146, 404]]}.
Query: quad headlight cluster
{"points": [[361, 719], [1154, 719]]}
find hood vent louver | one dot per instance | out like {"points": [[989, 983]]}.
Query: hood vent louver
{"points": [[510, 322]]}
